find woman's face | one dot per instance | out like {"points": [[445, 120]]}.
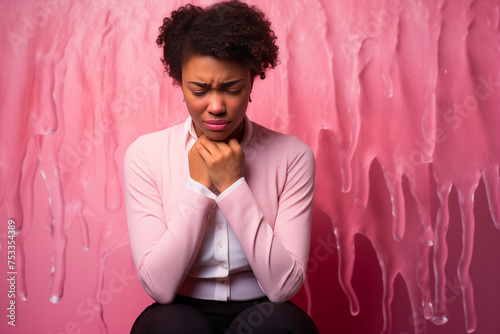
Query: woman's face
{"points": [[216, 93]]}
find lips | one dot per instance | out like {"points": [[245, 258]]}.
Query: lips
{"points": [[217, 125]]}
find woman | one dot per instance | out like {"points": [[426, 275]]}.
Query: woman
{"points": [[219, 208]]}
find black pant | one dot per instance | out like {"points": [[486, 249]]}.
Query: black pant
{"points": [[196, 316]]}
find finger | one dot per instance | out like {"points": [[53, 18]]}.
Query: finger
{"points": [[205, 155], [221, 145], [198, 155], [235, 145], [194, 155], [209, 145]]}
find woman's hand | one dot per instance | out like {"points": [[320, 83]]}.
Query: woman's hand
{"points": [[197, 167], [224, 162]]}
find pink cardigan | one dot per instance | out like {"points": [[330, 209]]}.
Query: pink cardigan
{"points": [[270, 212]]}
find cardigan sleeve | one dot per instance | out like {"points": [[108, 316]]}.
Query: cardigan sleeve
{"points": [[278, 256], [163, 251]]}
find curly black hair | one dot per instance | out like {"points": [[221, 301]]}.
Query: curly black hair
{"points": [[229, 30]]}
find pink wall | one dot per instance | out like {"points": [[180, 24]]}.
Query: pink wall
{"points": [[399, 101]]}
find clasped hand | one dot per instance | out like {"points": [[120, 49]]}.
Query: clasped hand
{"points": [[216, 163]]}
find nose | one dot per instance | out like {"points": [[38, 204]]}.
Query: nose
{"points": [[216, 104]]}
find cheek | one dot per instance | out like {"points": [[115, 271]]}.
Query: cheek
{"points": [[239, 106], [194, 107]]}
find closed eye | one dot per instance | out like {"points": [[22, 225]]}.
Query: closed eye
{"points": [[234, 91], [198, 93], [201, 88]]}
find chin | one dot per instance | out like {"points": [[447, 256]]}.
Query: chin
{"points": [[217, 136]]}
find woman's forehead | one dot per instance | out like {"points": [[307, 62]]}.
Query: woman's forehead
{"points": [[213, 70]]}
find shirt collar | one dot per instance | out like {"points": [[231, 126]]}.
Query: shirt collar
{"points": [[191, 137]]}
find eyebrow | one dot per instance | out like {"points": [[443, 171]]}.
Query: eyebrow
{"points": [[223, 84]]}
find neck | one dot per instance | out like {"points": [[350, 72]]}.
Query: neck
{"points": [[238, 133]]}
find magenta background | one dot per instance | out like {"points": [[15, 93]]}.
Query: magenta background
{"points": [[360, 81]]}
